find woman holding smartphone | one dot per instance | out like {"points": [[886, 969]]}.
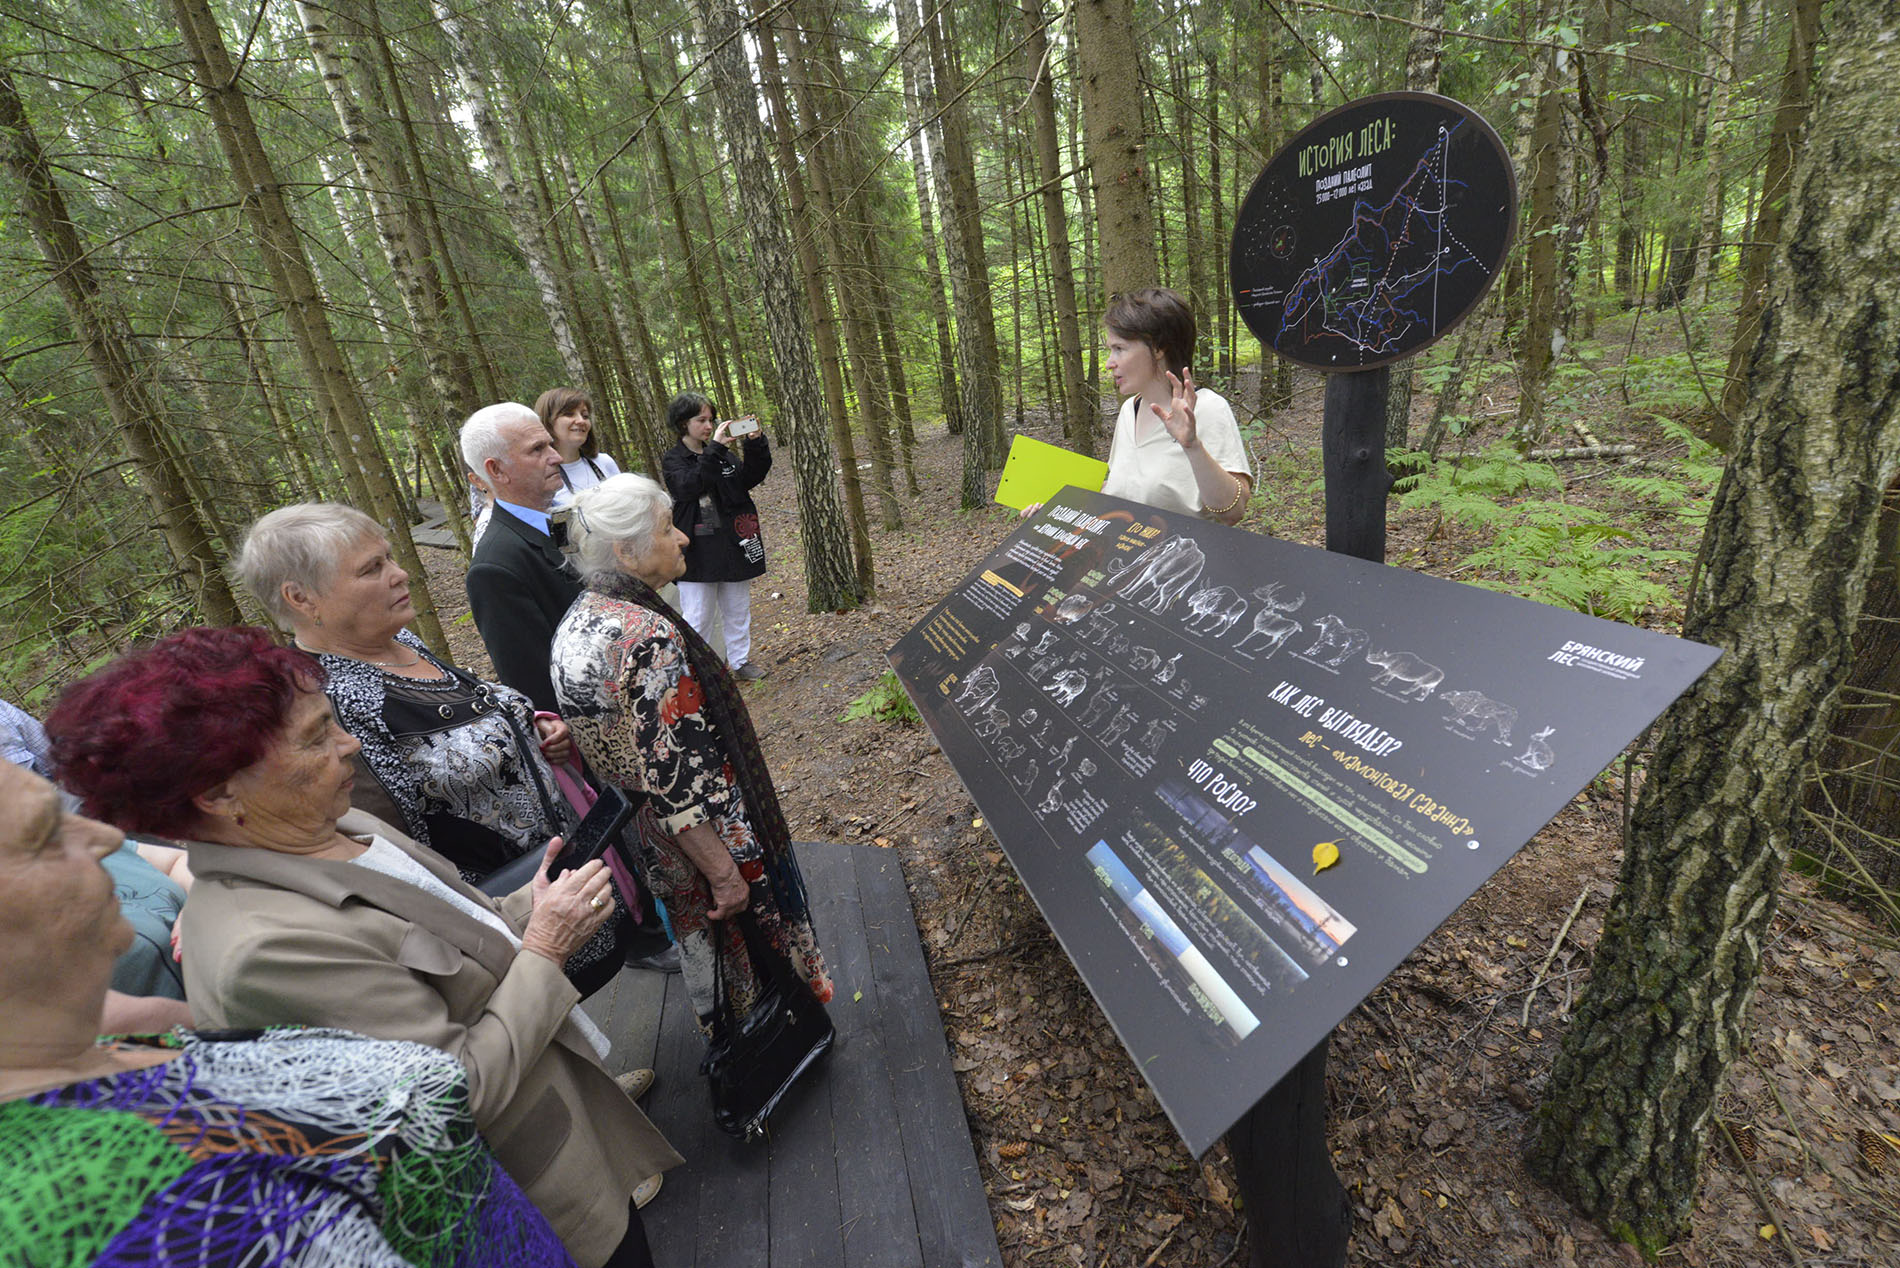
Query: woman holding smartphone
{"points": [[711, 479]]}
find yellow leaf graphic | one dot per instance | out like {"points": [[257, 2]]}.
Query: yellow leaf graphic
{"points": [[1325, 854]]}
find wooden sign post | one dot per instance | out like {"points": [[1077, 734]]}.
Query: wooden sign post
{"points": [[1340, 261]]}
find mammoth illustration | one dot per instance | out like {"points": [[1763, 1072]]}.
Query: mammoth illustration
{"points": [[1418, 675], [1475, 710], [1066, 686], [1214, 610], [1271, 627], [1162, 574], [978, 690], [1337, 643]]}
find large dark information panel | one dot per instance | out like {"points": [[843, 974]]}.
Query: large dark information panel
{"points": [[1374, 231], [1163, 719]]}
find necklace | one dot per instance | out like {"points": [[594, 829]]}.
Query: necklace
{"points": [[378, 664]]}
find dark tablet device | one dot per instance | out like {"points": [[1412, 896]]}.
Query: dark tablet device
{"points": [[589, 840], [601, 825]]}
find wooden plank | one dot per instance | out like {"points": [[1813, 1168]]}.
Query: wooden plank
{"points": [[639, 1005], [678, 1108], [953, 1216], [874, 1207]]}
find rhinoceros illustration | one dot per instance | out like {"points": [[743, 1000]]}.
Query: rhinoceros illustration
{"points": [[1417, 674]]}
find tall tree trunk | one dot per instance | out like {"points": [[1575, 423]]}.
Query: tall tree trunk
{"points": [[281, 244], [643, 412], [1422, 59], [403, 249], [830, 577], [1791, 543], [646, 361], [918, 89], [101, 332], [1110, 74], [1217, 143], [1721, 65], [817, 299], [1542, 258], [1784, 148], [1080, 413], [494, 117], [968, 260]]}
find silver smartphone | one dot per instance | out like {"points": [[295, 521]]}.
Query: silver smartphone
{"points": [[742, 427]]}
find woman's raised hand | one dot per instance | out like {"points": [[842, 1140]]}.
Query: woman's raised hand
{"points": [[567, 909], [1178, 415], [722, 434]]}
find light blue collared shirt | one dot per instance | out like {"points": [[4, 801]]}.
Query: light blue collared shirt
{"points": [[527, 515]]}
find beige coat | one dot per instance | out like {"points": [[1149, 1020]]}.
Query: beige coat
{"points": [[274, 939]]}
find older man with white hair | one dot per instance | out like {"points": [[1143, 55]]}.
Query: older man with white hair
{"points": [[519, 583]]}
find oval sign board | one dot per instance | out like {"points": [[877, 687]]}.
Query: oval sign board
{"points": [[1374, 232]]}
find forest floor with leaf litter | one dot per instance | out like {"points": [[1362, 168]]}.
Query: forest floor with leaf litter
{"points": [[1432, 1079]]}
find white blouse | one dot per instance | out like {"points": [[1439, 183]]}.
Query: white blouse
{"points": [[1154, 470]]}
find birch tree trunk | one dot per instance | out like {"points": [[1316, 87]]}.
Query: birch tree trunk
{"points": [[101, 333], [1791, 543], [830, 578], [1722, 50], [281, 244], [1784, 147], [493, 116], [1422, 60], [918, 90], [1536, 353]]}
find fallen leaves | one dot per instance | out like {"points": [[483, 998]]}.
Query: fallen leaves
{"points": [[1325, 855]]}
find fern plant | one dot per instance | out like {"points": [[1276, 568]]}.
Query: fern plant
{"points": [[1557, 552]]}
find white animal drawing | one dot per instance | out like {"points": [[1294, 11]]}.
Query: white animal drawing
{"points": [[1165, 674], [1100, 703], [1271, 626], [1008, 750], [1157, 731], [1475, 711], [1162, 574], [1027, 717], [1539, 755], [1143, 659], [1096, 628], [1018, 641], [1025, 775], [1071, 609], [1337, 643], [978, 690], [1214, 610], [1418, 675], [1066, 686], [991, 724], [1124, 718]]}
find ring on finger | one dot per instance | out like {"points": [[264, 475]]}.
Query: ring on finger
{"points": [[598, 901]]}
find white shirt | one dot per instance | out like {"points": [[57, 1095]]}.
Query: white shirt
{"points": [[390, 861], [578, 475], [1155, 470]]}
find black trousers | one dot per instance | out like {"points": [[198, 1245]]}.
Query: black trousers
{"points": [[633, 1251]]}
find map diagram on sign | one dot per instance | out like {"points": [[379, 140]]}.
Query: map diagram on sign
{"points": [[1374, 232]]}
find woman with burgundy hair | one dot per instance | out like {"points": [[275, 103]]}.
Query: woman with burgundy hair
{"points": [[305, 912]]}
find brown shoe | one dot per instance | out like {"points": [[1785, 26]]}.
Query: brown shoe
{"points": [[635, 1083], [645, 1191]]}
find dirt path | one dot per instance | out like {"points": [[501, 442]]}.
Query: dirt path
{"points": [[1433, 1078]]}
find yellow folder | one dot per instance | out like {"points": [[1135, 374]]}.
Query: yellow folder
{"points": [[1036, 471]]}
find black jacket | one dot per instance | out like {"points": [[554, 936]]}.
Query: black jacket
{"points": [[519, 588], [727, 545]]}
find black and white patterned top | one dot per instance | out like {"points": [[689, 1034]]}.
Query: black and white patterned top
{"points": [[447, 760]]}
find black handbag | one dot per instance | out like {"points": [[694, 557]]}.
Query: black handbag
{"points": [[754, 1060]]}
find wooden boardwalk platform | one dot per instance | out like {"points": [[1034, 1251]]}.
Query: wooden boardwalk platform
{"points": [[870, 1164]]}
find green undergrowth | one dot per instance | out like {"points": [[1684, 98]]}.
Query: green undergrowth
{"points": [[1615, 556], [884, 702]]}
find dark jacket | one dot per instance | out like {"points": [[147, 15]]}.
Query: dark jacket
{"points": [[712, 505], [519, 588]]}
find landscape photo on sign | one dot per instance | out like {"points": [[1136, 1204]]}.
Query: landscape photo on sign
{"points": [[1243, 778], [1373, 232]]}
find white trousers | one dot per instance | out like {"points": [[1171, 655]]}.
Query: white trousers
{"points": [[734, 601]]}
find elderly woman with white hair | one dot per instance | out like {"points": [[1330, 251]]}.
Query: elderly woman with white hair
{"points": [[655, 710], [463, 766]]}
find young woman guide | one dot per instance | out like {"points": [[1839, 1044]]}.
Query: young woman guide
{"points": [[1175, 446]]}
